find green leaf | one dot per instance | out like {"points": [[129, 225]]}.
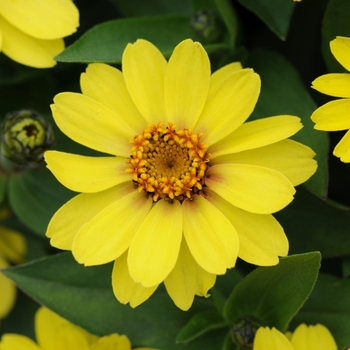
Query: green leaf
{"points": [[282, 92], [34, 196], [84, 296], [276, 14], [313, 224], [329, 304], [3, 187], [106, 42], [199, 324], [274, 294], [335, 23]]}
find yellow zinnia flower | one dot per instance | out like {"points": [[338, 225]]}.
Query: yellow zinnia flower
{"points": [[304, 337], [54, 332], [12, 250], [334, 115], [31, 31], [188, 188]]}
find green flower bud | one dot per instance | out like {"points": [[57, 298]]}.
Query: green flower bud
{"points": [[243, 332], [207, 25], [25, 136]]}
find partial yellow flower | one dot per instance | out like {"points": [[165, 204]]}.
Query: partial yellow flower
{"points": [[54, 332], [304, 337], [334, 115], [187, 187], [12, 251], [31, 31]]}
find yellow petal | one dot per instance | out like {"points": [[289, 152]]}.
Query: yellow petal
{"points": [[87, 174], [210, 236], [82, 208], [337, 85], [228, 106], [256, 134], [112, 342], [125, 289], [106, 85], [332, 116], [108, 234], [54, 332], [342, 149], [340, 48], [24, 49], [187, 279], [44, 19], [219, 76], [12, 245], [315, 337], [261, 238], [17, 342], [144, 70], [156, 245], [7, 291], [291, 158], [249, 187], [271, 339], [90, 123], [186, 83]]}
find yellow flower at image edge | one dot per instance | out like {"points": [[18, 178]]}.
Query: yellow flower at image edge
{"points": [[54, 332], [12, 250], [334, 115], [32, 30], [188, 187], [304, 337]]}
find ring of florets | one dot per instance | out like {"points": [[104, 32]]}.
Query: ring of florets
{"points": [[168, 164]]}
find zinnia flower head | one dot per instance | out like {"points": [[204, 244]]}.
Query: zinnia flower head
{"points": [[187, 187], [54, 332], [334, 115], [304, 337], [32, 30], [12, 250]]}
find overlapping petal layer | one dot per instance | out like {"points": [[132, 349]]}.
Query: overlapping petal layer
{"points": [[250, 187], [18, 342], [337, 85], [340, 48], [271, 339], [186, 84]]}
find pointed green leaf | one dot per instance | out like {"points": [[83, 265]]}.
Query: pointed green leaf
{"points": [[274, 294], [282, 92]]}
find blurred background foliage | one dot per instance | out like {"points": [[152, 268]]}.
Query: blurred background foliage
{"points": [[287, 43]]}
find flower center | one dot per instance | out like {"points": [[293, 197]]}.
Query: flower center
{"points": [[168, 164]]}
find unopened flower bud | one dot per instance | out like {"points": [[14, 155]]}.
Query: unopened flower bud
{"points": [[243, 332], [207, 26], [25, 136]]}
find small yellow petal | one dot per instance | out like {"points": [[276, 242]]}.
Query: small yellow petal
{"points": [[144, 70], [337, 85], [210, 236], [91, 124], [156, 245], [7, 291], [106, 85], [340, 48], [228, 106], [187, 279], [261, 238], [291, 158], [332, 116], [18, 342], [86, 174], [186, 83], [256, 134], [12, 245], [125, 289], [43, 19], [27, 50], [271, 339], [108, 234], [82, 208], [112, 342], [249, 187], [342, 149], [316, 337]]}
